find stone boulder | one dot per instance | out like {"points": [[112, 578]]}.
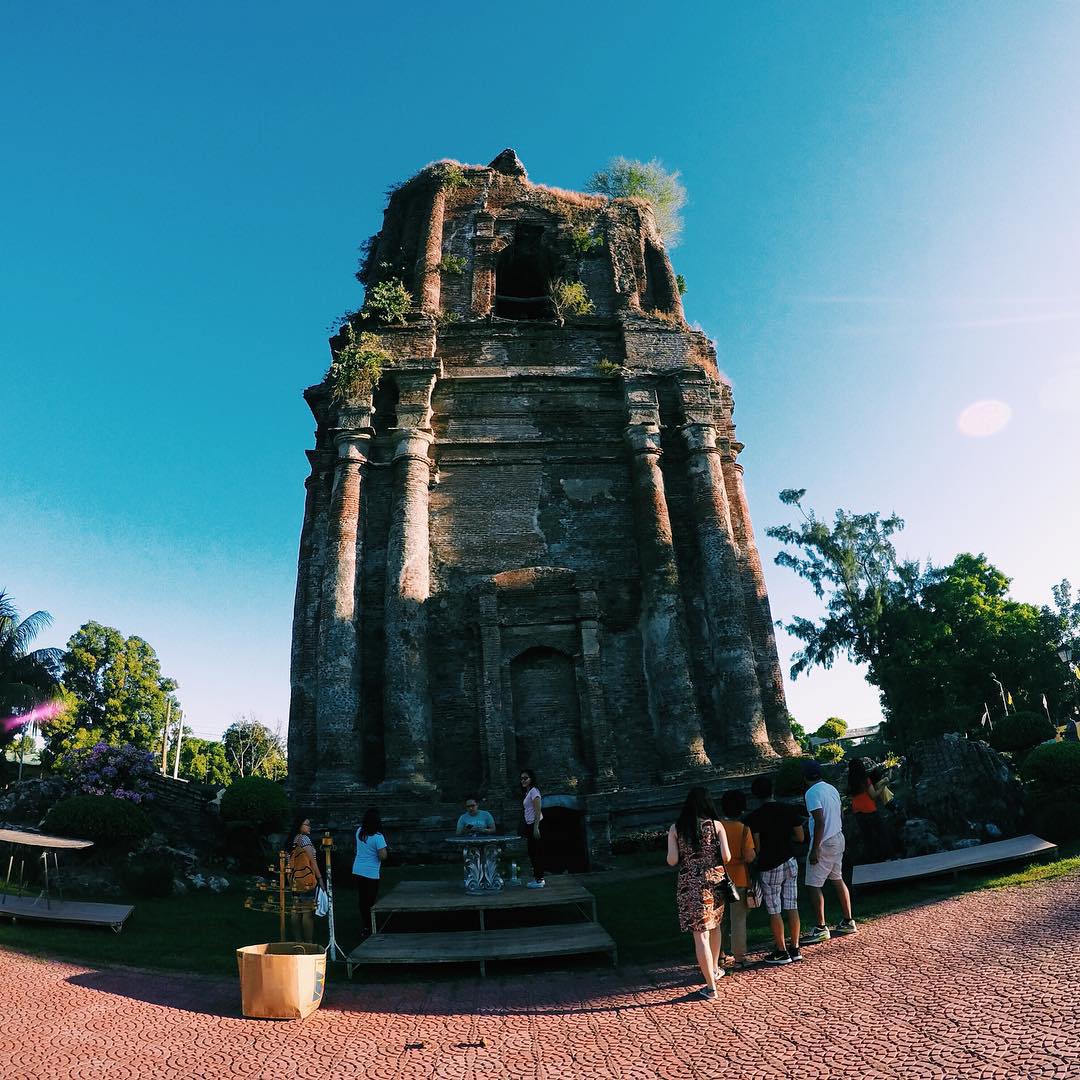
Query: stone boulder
{"points": [[25, 804], [963, 788], [919, 837]]}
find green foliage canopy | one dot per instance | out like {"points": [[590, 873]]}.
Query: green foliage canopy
{"points": [[932, 639], [256, 801], [252, 749], [116, 693], [114, 824], [205, 761], [623, 178]]}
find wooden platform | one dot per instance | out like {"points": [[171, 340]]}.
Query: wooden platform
{"points": [[951, 862], [480, 946], [448, 946], [65, 911]]}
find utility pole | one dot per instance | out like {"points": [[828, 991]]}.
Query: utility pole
{"points": [[165, 738], [179, 740]]}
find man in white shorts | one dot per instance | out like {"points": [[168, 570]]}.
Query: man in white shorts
{"points": [[826, 854]]}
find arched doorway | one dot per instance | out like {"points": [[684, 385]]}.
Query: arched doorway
{"points": [[523, 273], [547, 718]]}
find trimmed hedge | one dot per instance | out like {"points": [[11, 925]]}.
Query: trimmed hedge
{"points": [[833, 728], [829, 753], [114, 824], [789, 777], [257, 801], [1054, 767], [1020, 731]]}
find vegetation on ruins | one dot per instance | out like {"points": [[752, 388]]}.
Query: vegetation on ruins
{"points": [[607, 367], [623, 178], [937, 641], [680, 284], [387, 301], [452, 175], [452, 264], [584, 242], [569, 298], [358, 365]]}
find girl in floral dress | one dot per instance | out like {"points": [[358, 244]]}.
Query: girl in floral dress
{"points": [[698, 846]]}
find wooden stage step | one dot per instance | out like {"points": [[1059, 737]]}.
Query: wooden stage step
{"points": [[478, 946], [419, 896]]}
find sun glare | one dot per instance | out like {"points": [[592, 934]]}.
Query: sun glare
{"points": [[983, 418]]}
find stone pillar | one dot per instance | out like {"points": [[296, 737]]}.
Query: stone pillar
{"points": [[305, 640], [483, 273], [428, 275], [492, 730], [337, 738], [735, 690], [672, 705], [406, 701], [602, 746], [770, 679]]}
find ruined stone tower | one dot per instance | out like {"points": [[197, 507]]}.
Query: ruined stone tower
{"points": [[528, 544]]}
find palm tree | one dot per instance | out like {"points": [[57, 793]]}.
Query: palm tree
{"points": [[27, 677]]}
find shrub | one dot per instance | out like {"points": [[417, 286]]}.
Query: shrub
{"points": [[358, 365], [114, 824], [680, 284], [151, 877], [607, 367], [647, 180], [1054, 767], [789, 777], [452, 264], [584, 242], [257, 801], [569, 298], [833, 728], [453, 175], [388, 301], [124, 772], [830, 753], [1021, 731], [628, 843]]}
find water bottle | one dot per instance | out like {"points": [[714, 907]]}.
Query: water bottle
{"points": [[513, 874]]}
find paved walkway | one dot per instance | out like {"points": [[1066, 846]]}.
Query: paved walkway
{"points": [[985, 985]]}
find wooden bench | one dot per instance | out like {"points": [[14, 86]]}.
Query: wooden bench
{"points": [[952, 862]]}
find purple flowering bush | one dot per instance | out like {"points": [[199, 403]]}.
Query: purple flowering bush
{"points": [[124, 772]]}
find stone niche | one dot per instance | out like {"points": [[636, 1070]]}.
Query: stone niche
{"points": [[541, 682]]}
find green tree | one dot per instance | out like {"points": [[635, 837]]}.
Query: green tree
{"points": [[933, 640], [253, 749], [115, 690], [622, 178], [28, 676], [205, 761]]}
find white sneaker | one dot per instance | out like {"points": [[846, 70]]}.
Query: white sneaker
{"points": [[535, 885]]}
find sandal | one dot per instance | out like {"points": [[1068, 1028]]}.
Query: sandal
{"points": [[706, 994]]}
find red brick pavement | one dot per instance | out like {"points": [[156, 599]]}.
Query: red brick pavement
{"points": [[984, 985]]}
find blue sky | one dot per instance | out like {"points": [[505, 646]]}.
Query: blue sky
{"points": [[882, 231]]}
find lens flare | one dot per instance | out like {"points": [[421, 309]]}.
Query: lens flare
{"points": [[39, 714], [984, 418]]}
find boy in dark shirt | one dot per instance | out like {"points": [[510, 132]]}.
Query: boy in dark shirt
{"points": [[776, 828]]}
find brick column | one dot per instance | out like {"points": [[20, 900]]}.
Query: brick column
{"points": [[736, 694], [602, 746], [770, 679], [483, 269], [428, 274], [492, 731], [337, 737], [406, 700], [672, 706]]}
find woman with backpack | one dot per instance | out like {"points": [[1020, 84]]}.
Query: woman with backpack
{"points": [[367, 866], [305, 877], [698, 846]]}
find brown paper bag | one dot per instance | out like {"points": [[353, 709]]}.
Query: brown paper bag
{"points": [[282, 980]]}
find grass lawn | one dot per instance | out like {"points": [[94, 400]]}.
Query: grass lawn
{"points": [[200, 932]]}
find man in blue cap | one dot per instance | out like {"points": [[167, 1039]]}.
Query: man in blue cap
{"points": [[826, 854]]}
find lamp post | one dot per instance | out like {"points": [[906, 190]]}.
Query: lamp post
{"points": [[1065, 655]]}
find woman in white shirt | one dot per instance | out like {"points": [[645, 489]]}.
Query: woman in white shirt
{"points": [[530, 829], [367, 866]]}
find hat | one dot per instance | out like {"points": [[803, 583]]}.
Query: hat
{"points": [[811, 771]]}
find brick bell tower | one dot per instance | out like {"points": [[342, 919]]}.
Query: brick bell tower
{"points": [[526, 541]]}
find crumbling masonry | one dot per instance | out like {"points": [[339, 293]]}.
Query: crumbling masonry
{"points": [[530, 544]]}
